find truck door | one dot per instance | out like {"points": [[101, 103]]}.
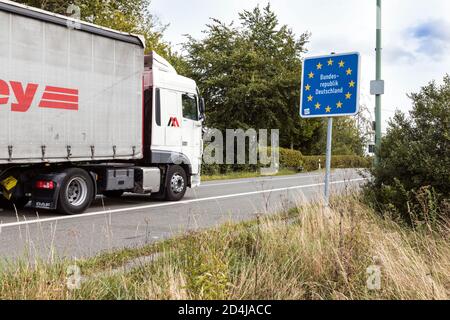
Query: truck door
{"points": [[166, 132], [192, 131]]}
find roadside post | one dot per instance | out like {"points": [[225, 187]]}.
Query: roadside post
{"points": [[330, 89], [377, 87]]}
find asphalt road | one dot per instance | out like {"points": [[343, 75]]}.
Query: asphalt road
{"points": [[136, 220]]}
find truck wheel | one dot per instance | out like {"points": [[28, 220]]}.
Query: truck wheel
{"points": [[176, 183], [76, 193], [113, 194]]}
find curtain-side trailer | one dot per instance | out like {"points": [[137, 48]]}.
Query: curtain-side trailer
{"points": [[83, 112]]}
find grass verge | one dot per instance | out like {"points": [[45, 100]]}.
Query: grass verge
{"points": [[306, 253], [243, 175]]}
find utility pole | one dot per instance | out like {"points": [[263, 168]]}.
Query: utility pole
{"points": [[379, 84]]}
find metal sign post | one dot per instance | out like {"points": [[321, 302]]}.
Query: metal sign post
{"points": [[328, 169], [330, 88]]}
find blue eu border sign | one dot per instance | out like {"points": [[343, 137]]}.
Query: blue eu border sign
{"points": [[330, 86]]}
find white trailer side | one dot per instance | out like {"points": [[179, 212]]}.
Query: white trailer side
{"points": [[67, 94]]}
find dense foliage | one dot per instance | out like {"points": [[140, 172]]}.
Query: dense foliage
{"points": [[413, 177], [250, 75], [347, 139]]}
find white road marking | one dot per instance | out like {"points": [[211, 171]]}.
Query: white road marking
{"points": [[168, 204], [206, 184]]}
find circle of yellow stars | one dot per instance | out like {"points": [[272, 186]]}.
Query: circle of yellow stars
{"points": [[348, 95]]}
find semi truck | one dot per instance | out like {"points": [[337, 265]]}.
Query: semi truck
{"points": [[84, 112]]}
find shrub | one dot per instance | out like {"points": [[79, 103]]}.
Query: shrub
{"points": [[291, 159], [412, 179], [288, 159], [223, 169], [211, 169], [311, 163]]}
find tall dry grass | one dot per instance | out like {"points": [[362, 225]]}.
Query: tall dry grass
{"points": [[310, 253]]}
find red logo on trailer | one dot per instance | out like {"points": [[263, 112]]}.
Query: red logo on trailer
{"points": [[53, 97], [173, 122], [59, 98]]}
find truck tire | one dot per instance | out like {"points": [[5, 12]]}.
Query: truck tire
{"points": [[76, 192], [176, 183], [113, 194]]}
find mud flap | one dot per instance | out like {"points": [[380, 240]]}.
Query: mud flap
{"points": [[47, 199]]}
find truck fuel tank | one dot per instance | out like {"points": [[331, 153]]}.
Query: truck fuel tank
{"points": [[148, 180]]}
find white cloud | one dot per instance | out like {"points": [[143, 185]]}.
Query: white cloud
{"points": [[432, 38]]}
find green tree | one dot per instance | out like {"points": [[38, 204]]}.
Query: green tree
{"points": [[347, 139], [250, 75], [415, 157]]}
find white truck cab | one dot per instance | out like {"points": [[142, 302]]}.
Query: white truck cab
{"points": [[177, 116]]}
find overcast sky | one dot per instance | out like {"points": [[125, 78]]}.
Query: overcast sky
{"points": [[416, 35]]}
